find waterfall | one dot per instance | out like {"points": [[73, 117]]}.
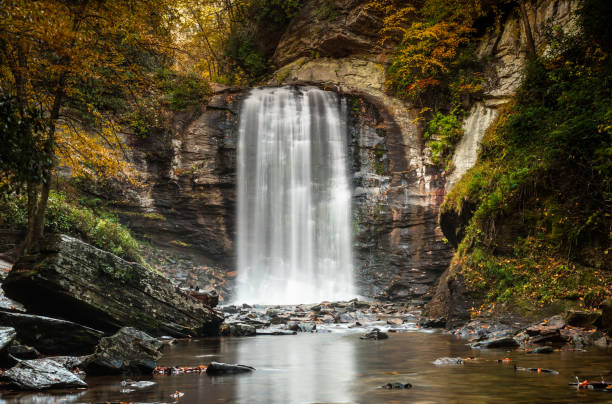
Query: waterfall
{"points": [[294, 198]]}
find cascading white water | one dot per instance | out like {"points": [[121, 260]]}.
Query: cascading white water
{"points": [[294, 198]]}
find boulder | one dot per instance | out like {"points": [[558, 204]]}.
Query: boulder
{"points": [[218, 368], [451, 301], [52, 336], [76, 281], [40, 374], [128, 351]]}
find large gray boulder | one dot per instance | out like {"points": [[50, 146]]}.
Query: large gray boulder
{"points": [[76, 281], [52, 336], [40, 374], [128, 351]]}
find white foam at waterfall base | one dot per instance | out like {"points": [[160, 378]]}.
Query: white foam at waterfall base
{"points": [[294, 198]]}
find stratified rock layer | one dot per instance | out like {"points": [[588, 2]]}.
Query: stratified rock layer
{"points": [[77, 281], [52, 336]]}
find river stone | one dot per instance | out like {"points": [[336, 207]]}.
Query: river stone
{"points": [[76, 281], [52, 336], [128, 351], [237, 330], [397, 386], [307, 327], [449, 361], [547, 327], [374, 333], [40, 374], [218, 368], [500, 339], [275, 331], [541, 350], [7, 335]]}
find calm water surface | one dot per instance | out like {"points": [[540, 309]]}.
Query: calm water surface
{"points": [[341, 368]]}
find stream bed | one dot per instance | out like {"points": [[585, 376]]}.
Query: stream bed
{"points": [[339, 367]]}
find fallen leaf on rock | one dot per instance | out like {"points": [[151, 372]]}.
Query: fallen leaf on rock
{"points": [[176, 395]]}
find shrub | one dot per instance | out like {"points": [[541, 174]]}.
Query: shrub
{"points": [[63, 216]]}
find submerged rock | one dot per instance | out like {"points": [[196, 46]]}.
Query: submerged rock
{"points": [[541, 350], [218, 368], [501, 339], [128, 351], [40, 374], [76, 281], [397, 386], [374, 333], [449, 361], [52, 336]]}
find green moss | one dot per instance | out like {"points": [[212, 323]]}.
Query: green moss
{"points": [[540, 232], [64, 215], [443, 133]]}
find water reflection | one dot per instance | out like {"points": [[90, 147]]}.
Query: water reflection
{"points": [[326, 368], [300, 369]]}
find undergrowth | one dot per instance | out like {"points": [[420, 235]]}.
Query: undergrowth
{"points": [[541, 189], [70, 216]]}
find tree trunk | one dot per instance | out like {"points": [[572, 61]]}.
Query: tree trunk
{"points": [[38, 195], [531, 48]]}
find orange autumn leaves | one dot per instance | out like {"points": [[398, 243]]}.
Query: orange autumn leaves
{"points": [[428, 40], [65, 57]]}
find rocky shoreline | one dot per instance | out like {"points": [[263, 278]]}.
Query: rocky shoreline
{"points": [[48, 345]]}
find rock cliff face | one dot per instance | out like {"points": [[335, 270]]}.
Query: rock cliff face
{"points": [[336, 28], [506, 55], [187, 204], [188, 207], [506, 52], [74, 280]]}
